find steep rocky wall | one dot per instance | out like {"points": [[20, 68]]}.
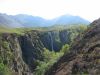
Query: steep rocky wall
{"points": [[54, 40], [11, 54], [32, 48], [84, 57], [51, 40]]}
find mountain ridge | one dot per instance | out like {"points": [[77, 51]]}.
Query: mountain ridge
{"points": [[23, 20]]}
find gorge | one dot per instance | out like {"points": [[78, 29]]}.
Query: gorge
{"points": [[20, 51]]}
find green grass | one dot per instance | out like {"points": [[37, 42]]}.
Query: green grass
{"points": [[51, 28], [14, 30]]}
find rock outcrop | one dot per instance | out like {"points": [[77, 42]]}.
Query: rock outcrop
{"points": [[84, 57]]}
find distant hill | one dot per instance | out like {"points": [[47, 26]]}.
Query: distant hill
{"points": [[23, 20], [8, 21], [69, 19], [29, 21]]}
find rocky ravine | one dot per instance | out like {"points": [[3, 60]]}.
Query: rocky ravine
{"points": [[19, 52], [84, 57]]}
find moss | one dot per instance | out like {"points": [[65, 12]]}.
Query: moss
{"points": [[5, 45]]}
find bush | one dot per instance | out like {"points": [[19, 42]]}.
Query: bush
{"points": [[65, 48], [4, 70]]}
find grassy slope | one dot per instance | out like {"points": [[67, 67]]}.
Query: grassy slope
{"points": [[13, 30], [23, 30]]}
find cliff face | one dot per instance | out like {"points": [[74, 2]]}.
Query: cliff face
{"points": [[11, 54], [20, 52], [84, 57], [32, 48], [54, 40]]}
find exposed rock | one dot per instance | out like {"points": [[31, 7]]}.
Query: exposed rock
{"points": [[11, 54], [84, 57], [53, 40], [32, 48]]}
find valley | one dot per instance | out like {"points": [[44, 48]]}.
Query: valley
{"points": [[62, 49], [49, 37]]}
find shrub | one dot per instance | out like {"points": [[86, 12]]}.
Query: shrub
{"points": [[50, 57], [4, 70]]}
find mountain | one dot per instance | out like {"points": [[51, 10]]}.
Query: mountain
{"points": [[23, 20], [69, 19], [29, 21], [84, 55], [8, 21]]}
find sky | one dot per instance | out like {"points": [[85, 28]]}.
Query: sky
{"points": [[49, 9]]}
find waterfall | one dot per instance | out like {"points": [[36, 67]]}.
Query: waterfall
{"points": [[51, 39]]}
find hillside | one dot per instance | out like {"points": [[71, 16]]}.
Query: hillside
{"points": [[22, 20], [84, 55]]}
